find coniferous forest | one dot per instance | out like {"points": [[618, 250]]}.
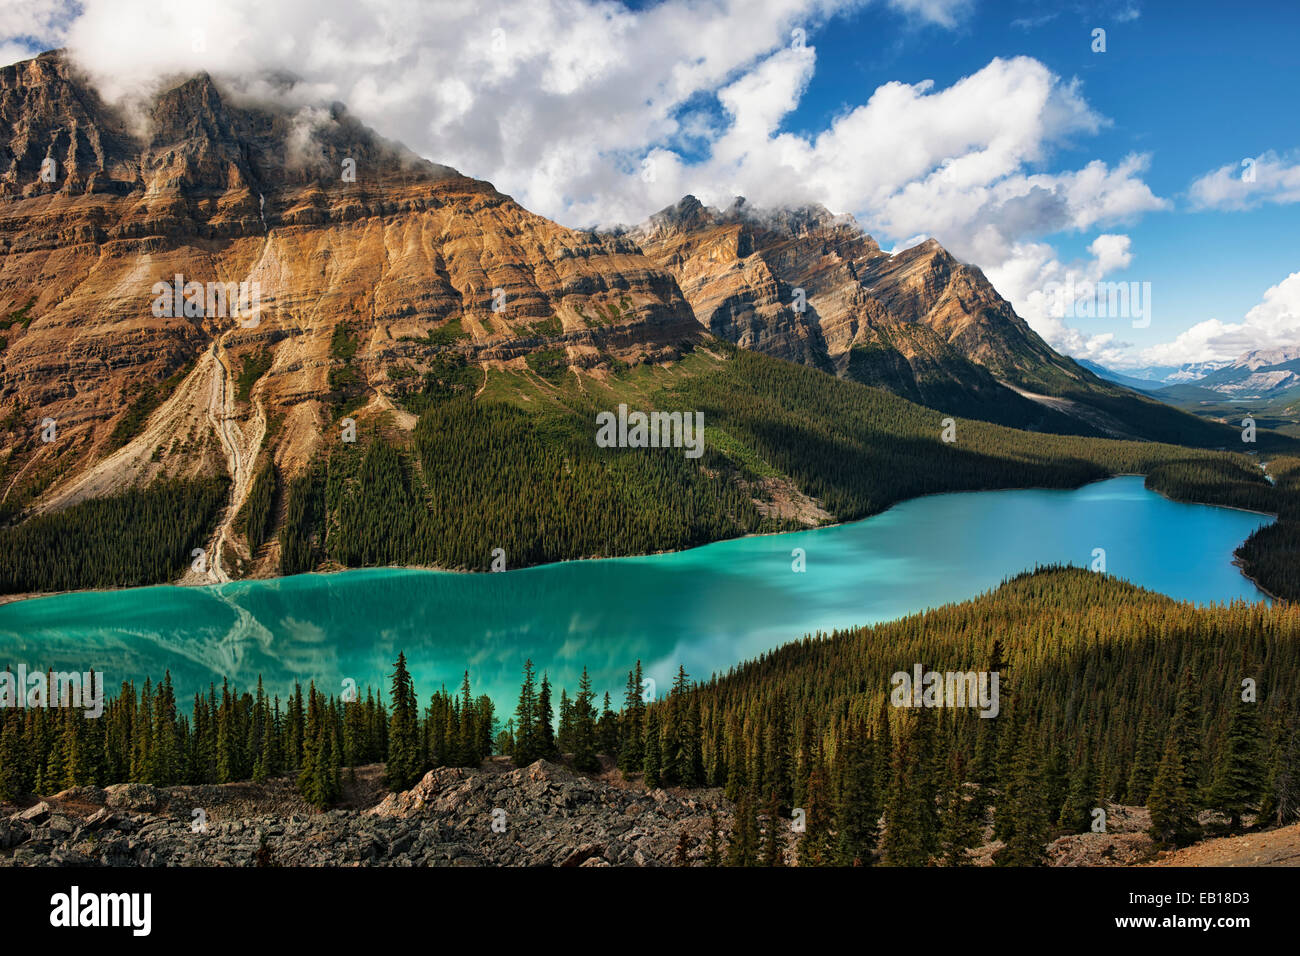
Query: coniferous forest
{"points": [[478, 475], [1108, 695]]}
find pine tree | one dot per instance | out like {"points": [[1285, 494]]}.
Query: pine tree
{"points": [[1026, 815], [959, 829], [1239, 769], [584, 727], [857, 820], [651, 766], [631, 755], [403, 767], [1175, 797]]}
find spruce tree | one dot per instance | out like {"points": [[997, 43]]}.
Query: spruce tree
{"points": [[527, 732], [857, 820], [772, 848], [545, 722], [631, 755], [1175, 792], [403, 767], [651, 766], [911, 825], [1239, 769], [959, 829], [742, 848], [584, 727], [1081, 798], [1026, 815], [713, 855]]}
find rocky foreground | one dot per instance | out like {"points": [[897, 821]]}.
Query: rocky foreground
{"points": [[544, 815], [540, 815]]}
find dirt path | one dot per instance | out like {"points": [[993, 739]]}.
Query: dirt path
{"points": [[1279, 847]]}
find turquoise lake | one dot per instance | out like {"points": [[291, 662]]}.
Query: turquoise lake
{"points": [[708, 608]]}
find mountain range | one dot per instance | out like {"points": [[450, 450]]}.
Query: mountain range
{"points": [[383, 281]]}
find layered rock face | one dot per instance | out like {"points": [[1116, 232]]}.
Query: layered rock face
{"points": [[325, 223], [814, 288], [192, 284]]}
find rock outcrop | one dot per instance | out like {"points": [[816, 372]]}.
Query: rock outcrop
{"points": [[814, 288], [333, 227], [544, 815]]}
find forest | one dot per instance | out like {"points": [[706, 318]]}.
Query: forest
{"points": [[1109, 694], [141, 536]]}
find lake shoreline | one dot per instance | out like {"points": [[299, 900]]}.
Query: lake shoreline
{"points": [[37, 595]]}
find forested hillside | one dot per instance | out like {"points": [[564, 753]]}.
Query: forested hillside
{"points": [[1107, 693], [517, 469]]}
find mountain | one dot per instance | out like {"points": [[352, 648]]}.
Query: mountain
{"points": [[1110, 375], [814, 288], [1264, 383], [269, 337], [357, 279], [1260, 373], [1156, 376]]}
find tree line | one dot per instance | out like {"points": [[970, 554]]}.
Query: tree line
{"points": [[1108, 695]]}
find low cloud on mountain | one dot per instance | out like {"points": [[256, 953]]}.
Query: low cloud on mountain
{"points": [[594, 114]]}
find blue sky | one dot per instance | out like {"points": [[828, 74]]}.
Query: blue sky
{"points": [[1196, 84], [991, 125]]}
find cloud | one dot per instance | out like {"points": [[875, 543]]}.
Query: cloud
{"points": [[1273, 323], [1032, 272], [1254, 181], [595, 114]]}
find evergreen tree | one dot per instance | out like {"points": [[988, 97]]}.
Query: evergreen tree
{"points": [[911, 824], [959, 829], [772, 848], [584, 727], [816, 846], [1027, 821], [651, 766], [631, 755], [403, 768], [1143, 768], [1239, 769], [857, 819], [742, 848], [713, 856], [1081, 799], [545, 722], [1175, 792], [528, 737]]}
